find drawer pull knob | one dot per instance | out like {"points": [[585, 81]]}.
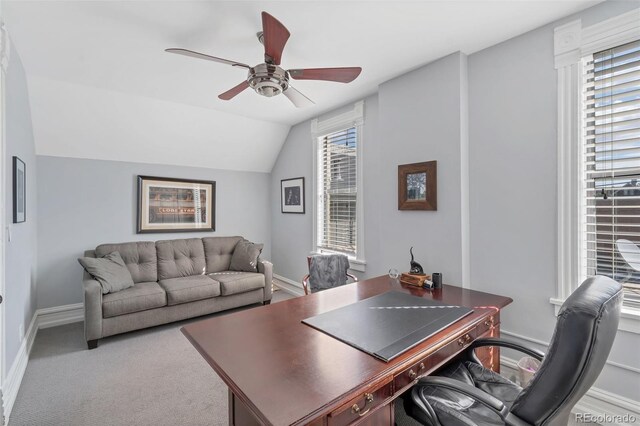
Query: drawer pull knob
{"points": [[489, 322], [368, 399], [421, 366], [464, 340], [412, 374]]}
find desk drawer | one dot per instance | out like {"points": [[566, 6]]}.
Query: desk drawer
{"points": [[487, 324], [433, 361], [359, 406]]}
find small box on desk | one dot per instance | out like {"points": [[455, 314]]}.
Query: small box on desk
{"points": [[415, 280]]}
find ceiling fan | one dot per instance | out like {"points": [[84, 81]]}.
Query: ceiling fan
{"points": [[268, 78]]}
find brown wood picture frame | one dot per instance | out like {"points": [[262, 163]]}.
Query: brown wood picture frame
{"points": [[418, 186]]}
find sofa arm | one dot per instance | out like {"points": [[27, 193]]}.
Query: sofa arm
{"points": [[266, 268], [92, 309]]}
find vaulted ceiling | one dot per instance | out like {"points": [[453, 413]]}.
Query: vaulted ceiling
{"points": [[104, 62]]}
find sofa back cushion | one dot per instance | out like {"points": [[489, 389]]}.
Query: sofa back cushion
{"points": [[180, 258], [218, 251], [140, 258]]}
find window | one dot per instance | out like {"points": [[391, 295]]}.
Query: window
{"points": [[598, 75], [338, 195], [338, 192], [611, 167]]}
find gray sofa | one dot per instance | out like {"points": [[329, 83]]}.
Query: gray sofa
{"points": [[174, 280]]}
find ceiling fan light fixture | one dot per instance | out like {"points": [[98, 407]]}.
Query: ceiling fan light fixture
{"points": [[268, 80]]}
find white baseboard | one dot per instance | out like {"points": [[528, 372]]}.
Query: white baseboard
{"points": [[290, 286], [18, 368], [596, 402], [42, 318], [60, 315]]}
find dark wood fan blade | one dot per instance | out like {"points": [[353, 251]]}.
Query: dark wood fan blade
{"points": [[275, 36], [297, 98], [193, 54], [229, 94], [341, 75]]}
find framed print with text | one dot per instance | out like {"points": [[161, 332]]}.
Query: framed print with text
{"points": [[175, 205]]}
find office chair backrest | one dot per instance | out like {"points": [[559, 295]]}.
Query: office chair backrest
{"points": [[586, 326], [327, 271]]}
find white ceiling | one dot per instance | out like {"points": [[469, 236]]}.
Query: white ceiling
{"points": [[118, 45]]}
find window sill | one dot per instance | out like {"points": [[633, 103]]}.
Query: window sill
{"points": [[629, 317], [358, 265]]}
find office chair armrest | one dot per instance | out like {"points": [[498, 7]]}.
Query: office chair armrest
{"points": [[506, 343], [491, 402], [305, 282]]}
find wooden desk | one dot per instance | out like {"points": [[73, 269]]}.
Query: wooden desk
{"points": [[282, 372]]}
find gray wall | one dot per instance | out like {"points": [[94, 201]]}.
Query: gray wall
{"points": [[512, 119], [405, 123], [513, 171], [420, 120], [20, 257], [84, 203]]}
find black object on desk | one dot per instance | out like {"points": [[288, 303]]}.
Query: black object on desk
{"points": [[388, 324], [436, 277]]}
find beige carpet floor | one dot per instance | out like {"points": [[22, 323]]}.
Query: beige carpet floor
{"points": [[147, 377]]}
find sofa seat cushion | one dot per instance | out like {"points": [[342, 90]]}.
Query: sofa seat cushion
{"points": [[140, 297], [189, 289], [232, 282]]}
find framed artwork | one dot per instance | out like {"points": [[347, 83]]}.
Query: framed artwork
{"points": [[417, 186], [175, 205], [292, 195], [19, 190]]}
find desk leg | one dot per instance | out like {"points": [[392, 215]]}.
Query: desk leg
{"points": [[239, 414], [490, 355]]}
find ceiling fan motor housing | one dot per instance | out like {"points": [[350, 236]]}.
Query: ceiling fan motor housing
{"points": [[268, 79]]}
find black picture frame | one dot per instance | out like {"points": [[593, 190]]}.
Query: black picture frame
{"points": [[292, 196], [173, 189], [19, 190]]}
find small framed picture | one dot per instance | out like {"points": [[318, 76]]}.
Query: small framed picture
{"points": [[19, 190], [417, 186], [175, 205], [292, 195]]}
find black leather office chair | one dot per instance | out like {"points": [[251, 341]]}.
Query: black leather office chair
{"points": [[465, 393]]}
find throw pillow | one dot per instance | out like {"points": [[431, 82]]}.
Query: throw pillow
{"points": [[245, 256], [110, 271]]}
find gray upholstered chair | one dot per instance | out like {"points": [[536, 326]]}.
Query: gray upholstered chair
{"points": [[465, 393], [326, 271]]}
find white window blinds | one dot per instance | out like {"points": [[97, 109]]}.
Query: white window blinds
{"points": [[612, 167], [337, 189]]}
